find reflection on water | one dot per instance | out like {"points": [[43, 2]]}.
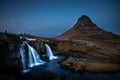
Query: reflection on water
{"points": [[53, 66]]}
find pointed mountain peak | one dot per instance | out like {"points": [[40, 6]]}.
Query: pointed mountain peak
{"points": [[84, 21], [84, 18]]}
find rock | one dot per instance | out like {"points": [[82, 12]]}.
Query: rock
{"points": [[10, 56]]}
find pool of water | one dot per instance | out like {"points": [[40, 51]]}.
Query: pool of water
{"points": [[52, 68]]}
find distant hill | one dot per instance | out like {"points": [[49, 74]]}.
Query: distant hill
{"points": [[85, 29]]}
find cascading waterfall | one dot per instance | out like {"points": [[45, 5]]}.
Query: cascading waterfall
{"points": [[33, 57], [50, 53], [23, 59]]}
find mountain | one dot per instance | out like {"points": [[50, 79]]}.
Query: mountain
{"points": [[89, 48], [85, 29], [87, 39]]}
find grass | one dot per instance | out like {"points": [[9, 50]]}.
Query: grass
{"points": [[66, 46], [76, 49], [80, 66]]}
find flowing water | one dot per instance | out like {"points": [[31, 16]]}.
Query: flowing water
{"points": [[33, 57], [49, 52], [23, 58]]}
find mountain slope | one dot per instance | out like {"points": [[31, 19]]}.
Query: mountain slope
{"points": [[87, 30]]}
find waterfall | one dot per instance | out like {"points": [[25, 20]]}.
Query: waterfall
{"points": [[33, 57], [23, 57], [49, 52], [23, 60]]}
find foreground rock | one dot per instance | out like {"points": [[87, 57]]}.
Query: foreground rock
{"points": [[89, 66]]}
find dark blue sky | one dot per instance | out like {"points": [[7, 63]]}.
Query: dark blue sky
{"points": [[52, 17]]}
